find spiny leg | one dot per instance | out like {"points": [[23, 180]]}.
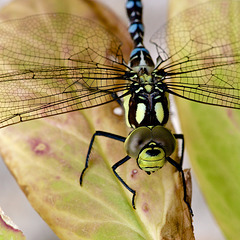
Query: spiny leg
{"points": [[98, 133], [114, 167], [179, 168], [181, 137]]}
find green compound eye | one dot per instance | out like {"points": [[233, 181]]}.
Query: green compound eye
{"points": [[137, 140], [164, 138]]}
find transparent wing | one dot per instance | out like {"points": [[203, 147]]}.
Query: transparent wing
{"points": [[200, 51], [56, 63]]}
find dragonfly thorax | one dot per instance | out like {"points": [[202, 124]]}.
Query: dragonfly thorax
{"points": [[146, 105]]}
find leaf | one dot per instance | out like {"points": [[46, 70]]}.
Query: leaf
{"points": [[47, 156], [212, 138], [8, 230]]}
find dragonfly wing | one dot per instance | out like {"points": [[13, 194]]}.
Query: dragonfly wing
{"points": [[203, 59], [56, 63]]}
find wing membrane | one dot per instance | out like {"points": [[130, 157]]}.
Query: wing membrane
{"points": [[203, 59], [56, 63]]}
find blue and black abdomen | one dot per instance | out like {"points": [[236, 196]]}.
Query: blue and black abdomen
{"points": [[136, 29], [139, 57]]}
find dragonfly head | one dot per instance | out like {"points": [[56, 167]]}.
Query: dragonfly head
{"points": [[151, 158], [150, 146]]}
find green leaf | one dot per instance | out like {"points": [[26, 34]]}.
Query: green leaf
{"points": [[212, 139]]}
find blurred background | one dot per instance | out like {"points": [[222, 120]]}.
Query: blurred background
{"points": [[15, 204]]}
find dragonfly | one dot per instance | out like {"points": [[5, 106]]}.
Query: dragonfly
{"points": [[57, 63]]}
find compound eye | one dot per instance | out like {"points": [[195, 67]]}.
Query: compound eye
{"points": [[136, 140], [164, 138]]}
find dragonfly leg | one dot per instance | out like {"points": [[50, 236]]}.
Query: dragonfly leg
{"points": [[179, 168], [98, 133], [115, 96], [181, 137], [114, 167]]}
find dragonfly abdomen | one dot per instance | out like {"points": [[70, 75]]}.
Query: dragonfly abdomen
{"points": [[136, 29], [140, 57]]}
